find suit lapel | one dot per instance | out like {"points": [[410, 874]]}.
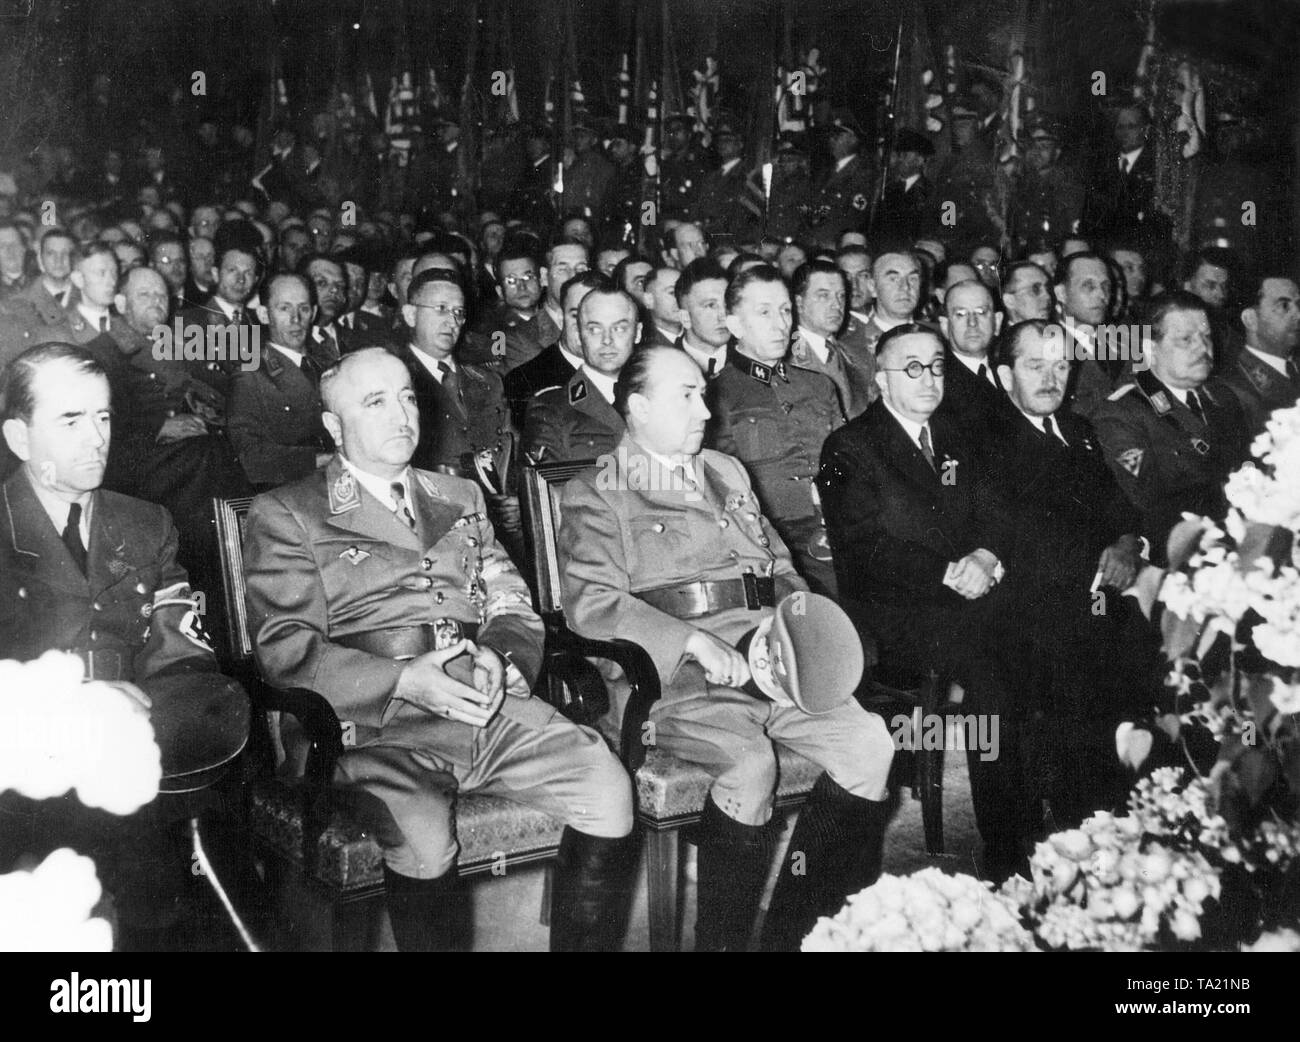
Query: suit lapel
{"points": [[903, 455], [106, 556]]}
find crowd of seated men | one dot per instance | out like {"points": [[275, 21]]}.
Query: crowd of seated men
{"points": [[974, 455]]}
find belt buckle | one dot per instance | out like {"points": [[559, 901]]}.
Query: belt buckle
{"points": [[752, 601], [446, 632], [103, 662]]}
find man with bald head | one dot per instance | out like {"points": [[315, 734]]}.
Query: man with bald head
{"points": [[384, 588], [919, 541], [970, 322], [275, 409], [169, 442], [577, 420], [656, 545]]}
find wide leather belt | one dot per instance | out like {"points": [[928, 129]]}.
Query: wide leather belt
{"points": [[109, 664], [709, 596], [407, 642]]}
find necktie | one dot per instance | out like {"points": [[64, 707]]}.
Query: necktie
{"points": [[927, 450], [311, 369], [103, 323], [1049, 428], [1194, 403], [713, 368], [1123, 164], [402, 508], [984, 373], [1292, 373], [72, 537], [237, 316], [450, 380]]}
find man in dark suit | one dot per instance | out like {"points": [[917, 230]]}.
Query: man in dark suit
{"points": [[1086, 657], [1084, 290], [970, 390], [384, 588], [1121, 197], [275, 424], [577, 420], [554, 366], [95, 573], [701, 294], [660, 300], [465, 427], [919, 539], [329, 340], [1263, 374]]}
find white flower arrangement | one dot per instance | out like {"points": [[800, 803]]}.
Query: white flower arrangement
{"points": [[57, 734], [926, 911]]}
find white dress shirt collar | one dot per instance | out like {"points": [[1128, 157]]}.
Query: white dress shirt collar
{"points": [[92, 314], [816, 342], [702, 356], [973, 364], [1272, 361], [433, 365], [604, 384], [574, 360], [840, 164], [57, 510], [728, 166], [295, 357], [910, 427], [381, 488]]}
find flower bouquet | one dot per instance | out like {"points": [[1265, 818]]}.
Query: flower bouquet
{"points": [[927, 911]]}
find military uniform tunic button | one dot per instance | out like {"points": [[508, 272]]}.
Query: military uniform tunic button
{"points": [[286, 408], [723, 523], [96, 606], [426, 564], [141, 588], [657, 528], [439, 597], [428, 583], [94, 636], [764, 541], [22, 593], [751, 516]]}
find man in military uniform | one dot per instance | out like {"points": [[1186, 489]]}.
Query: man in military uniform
{"points": [[681, 169], [905, 209], [773, 416], [843, 200], [589, 178], [170, 445], [1046, 201], [791, 198], [855, 261], [820, 297], [383, 588], [553, 367], [565, 259], [1026, 292], [275, 409], [95, 573], [577, 420], [968, 179], [1263, 375], [667, 547], [1171, 442], [625, 195], [533, 200], [720, 206], [465, 426]]}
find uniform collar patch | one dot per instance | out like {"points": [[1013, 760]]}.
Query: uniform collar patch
{"points": [[577, 391], [1131, 460], [344, 494]]}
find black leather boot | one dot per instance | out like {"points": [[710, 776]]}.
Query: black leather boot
{"points": [[836, 850], [590, 893], [420, 910], [733, 863]]}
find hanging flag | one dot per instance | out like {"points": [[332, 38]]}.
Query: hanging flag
{"points": [[814, 73], [624, 89], [704, 98]]}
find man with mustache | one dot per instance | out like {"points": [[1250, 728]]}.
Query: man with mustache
{"points": [[1169, 440], [1086, 657], [383, 588]]}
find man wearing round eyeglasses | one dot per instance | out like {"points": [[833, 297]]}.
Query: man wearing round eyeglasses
{"points": [[971, 393], [465, 427], [521, 290], [918, 539], [577, 420], [565, 259]]}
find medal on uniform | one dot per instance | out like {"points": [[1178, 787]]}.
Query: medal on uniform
{"points": [[1160, 401], [1201, 445]]}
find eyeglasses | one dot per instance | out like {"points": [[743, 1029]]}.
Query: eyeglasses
{"points": [[962, 314], [442, 311], [518, 280], [915, 369]]}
